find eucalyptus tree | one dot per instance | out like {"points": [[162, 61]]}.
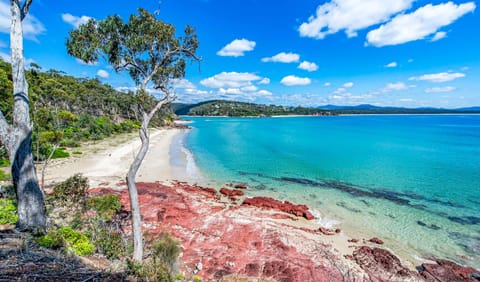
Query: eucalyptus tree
{"points": [[149, 51], [16, 136]]}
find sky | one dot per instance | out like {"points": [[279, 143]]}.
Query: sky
{"points": [[289, 52]]}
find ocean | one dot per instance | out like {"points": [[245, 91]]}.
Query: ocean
{"points": [[412, 180]]}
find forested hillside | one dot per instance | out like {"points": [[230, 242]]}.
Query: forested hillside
{"points": [[232, 108], [66, 110]]}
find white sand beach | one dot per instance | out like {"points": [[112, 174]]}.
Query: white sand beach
{"points": [[108, 161]]}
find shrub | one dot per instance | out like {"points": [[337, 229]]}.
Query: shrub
{"points": [[66, 237], [73, 190], [108, 241], [105, 206], [166, 250], [8, 211], [4, 176], [161, 265]]}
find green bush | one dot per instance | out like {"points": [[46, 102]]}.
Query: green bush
{"points": [[66, 237], [8, 211], [73, 190], [70, 142], [106, 206], [161, 265], [108, 241], [4, 176]]}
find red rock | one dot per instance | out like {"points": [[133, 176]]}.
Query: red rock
{"points": [[446, 270], [338, 230], [231, 193], [376, 240], [381, 265], [241, 186], [353, 240], [242, 240], [269, 203], [326, 231]]}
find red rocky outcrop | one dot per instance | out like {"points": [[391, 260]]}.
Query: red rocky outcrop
{"points": [[381, 265], [269, 203], [231, 193], [445, 270], [376, 241], [228, 239]]}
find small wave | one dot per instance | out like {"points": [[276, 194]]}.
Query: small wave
{"points": [[323, 221]]}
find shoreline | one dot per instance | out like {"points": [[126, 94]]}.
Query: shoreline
{"points": [[108, 161]]}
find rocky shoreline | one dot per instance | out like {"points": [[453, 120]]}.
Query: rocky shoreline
{"points": [[224, 234]]}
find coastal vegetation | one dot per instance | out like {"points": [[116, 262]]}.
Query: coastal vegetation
{"points": [[240, 109]]}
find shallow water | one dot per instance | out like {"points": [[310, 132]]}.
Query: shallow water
{"points": [[412, 180]]}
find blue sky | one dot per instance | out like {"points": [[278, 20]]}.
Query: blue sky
{"points": [[296, 52]]}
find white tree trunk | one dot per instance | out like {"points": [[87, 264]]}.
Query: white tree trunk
{"points": [[30, 202], [132, 172], [132, 191]]}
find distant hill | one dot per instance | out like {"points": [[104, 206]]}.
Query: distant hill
{"points": [[371, 109], [233, 108]]}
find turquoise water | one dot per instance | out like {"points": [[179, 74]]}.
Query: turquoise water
{"points": [[412, 180]]}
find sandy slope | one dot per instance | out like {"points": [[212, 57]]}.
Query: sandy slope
{"points": [[109, 160]]}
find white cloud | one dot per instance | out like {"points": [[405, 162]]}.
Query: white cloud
{"points": [[249, 88], [265, 80], [308, 66], [439, 35], [391, 65], [31, 25], [237, 48], [230, 80], [440, 89], [292, 80], [405, 100], [102, 74], [74, 20], [350, 16], [183, 84], [348, 84], [327, 84], [439, 77], [340, 90], [419, 24], [283, 58], [396, 86]]}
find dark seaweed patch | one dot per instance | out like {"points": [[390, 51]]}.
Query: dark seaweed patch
{"points": [[344, 205], [431, 226], [466, 220]]}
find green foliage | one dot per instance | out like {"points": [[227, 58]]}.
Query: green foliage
{"points": [[66, 237], [166, 250], [3, 158], [4, 176], [197, 279], [108, 240], [105, 206], [72, 190], [161, 265], [8, 211], [232, 108]]}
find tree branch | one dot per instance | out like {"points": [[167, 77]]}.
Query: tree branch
{"points": [[25, 8]]}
